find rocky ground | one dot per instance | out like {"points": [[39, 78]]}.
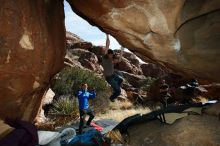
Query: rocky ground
{"points": [[194, 130]]}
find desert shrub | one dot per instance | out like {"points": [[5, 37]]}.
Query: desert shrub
{"points": [[64, 111], [146, 83], [70, 79], [65, 106]]}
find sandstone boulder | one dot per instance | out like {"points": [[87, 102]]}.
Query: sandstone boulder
{"points": [[98, 50], [89, 60], [84, 59], [89, 56], [69, 62], [129, 63], [48, 98], [77, 52], [126, 86], [134, 97], [214, 109], [132, 58], [132, 79], [152, 70], [182, 35], [73, 41], [123, 96], [32, 49], [127, 66], [87, 64], [184, 132], [213, 91]]}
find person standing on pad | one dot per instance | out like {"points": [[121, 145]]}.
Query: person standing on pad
{"points": [[111, 77], [83, 97]]}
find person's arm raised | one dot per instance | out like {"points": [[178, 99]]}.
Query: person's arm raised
{"points": [[79, 93], [107, 43], [92, 94], [121, 54]]}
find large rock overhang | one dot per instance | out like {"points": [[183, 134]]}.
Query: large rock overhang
{"points": [[182, 35]]}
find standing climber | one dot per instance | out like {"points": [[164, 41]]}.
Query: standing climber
{"points": [[83, 98], [164, 93], [111, 77]]}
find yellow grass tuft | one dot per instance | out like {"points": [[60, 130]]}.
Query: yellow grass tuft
{"points": [[121, 110], [200, 99]]}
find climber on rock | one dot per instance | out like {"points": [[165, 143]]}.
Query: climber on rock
{"points": [[108, 61], [83, 97]]}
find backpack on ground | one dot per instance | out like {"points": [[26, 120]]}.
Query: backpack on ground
{"points": [[90, 138]]}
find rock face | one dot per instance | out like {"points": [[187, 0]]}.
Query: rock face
{"points": [[185, 132], [127, 66], [132, 79], [183, 35], [73, 41], [213, 91], [132, 58], [32, 49], [153, 70], [48, 98], [129, 63], [214, 109], [90, 61]]}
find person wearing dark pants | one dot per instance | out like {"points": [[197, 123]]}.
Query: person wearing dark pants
{"points": [[115, 82], [164, 93], [108, 62], [83, 114], [83, 97]]}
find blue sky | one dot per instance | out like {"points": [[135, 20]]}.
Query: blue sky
{"points": [[84, 30]]}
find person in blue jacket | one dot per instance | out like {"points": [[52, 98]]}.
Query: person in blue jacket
{"points": [[83, 96]]}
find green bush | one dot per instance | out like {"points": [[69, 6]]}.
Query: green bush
{"points": [[70, 79], [65, 106], [146, 83]]}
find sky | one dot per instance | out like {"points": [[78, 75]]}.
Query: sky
{"points": [[84, 30]]}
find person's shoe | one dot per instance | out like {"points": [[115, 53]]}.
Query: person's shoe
{"points": [[120, 82], [112, 99], [88, 125]]}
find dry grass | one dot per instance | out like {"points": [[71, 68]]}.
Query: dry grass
{"points": [[117, 111], [121, 110], [200, 99], [56, 121], [123, 105], [119, 115]]}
